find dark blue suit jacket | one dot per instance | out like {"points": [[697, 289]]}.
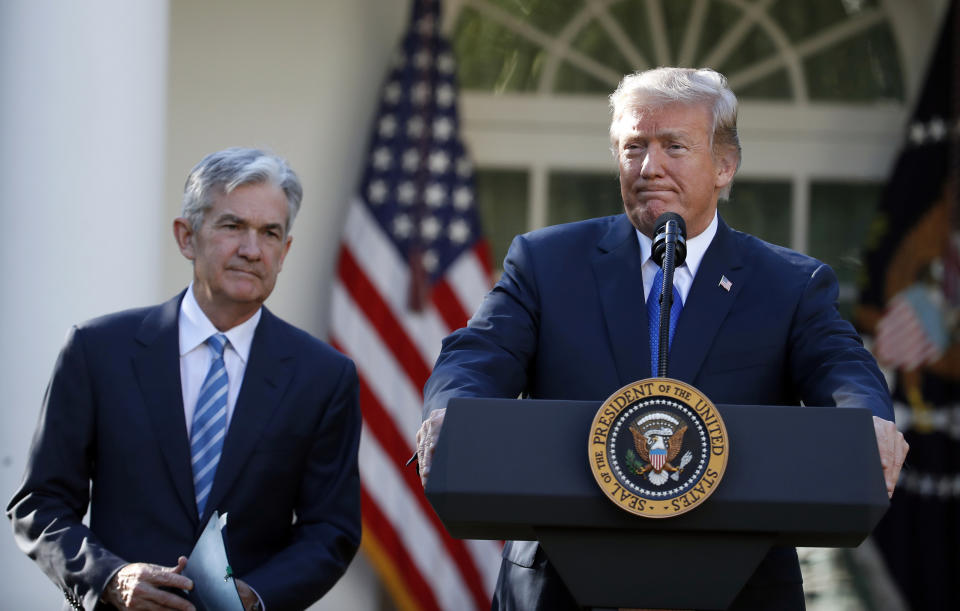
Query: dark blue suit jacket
{"points": [[568, 320], [113, 415]]}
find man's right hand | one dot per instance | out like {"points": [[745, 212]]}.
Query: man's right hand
{"points": [[138, 586], [427, 441]]}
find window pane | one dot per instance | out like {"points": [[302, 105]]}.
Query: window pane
{"points": [[840, 215], [492, 58], [846, 47], [571, 79], [801, 20], [870, 69], [549, 16], [594, 42], [776, 86], [632, 18], [503, 208], [761, 208], [575, 196]]}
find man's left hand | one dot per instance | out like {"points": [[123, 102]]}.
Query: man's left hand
{"points": [[893, 450], [249, 598]]}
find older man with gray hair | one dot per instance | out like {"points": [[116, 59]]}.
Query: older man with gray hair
{"points": [[756, 323], [157, 417]]}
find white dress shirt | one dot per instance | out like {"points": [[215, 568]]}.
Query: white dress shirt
{"points": [[195, 355], [682, 276]]}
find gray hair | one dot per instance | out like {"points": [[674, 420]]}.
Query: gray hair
{"points": [[224, 171], [662, 86]]}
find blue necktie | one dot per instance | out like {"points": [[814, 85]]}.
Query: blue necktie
{"points": [[653, 315], [209, 423]]}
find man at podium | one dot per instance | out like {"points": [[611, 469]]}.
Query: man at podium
{"points": [[754, 323]]}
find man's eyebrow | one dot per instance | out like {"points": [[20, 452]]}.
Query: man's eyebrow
{"points": [[672, 134], [228, 217]]}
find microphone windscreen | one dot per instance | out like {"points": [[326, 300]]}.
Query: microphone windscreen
{"points": [[661, 224], [660, 237]]}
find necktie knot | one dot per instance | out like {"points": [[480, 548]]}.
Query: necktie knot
{"points": [[217, 343]]}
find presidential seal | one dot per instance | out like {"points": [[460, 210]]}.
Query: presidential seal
{"points": [[658, 447]]}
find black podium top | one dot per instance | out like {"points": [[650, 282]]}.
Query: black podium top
{"points": [[809, 476]]}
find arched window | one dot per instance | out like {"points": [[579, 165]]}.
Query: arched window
{"points": [[823, 88]]}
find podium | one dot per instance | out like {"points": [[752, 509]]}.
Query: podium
{"points": [[518, 469]]}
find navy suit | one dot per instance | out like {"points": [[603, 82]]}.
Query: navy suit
{"points": [[568, 320], [113, 415]]}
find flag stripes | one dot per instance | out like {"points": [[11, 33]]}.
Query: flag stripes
{"points": [[413, 265], [393, 349]]}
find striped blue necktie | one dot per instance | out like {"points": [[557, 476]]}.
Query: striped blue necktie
{"points": [[209, 423], [653, 316]]}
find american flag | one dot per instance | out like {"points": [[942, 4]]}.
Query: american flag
{"points": [[413, 266], [911, 332]]}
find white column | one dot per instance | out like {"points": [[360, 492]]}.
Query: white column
{"points": [[82, 107]]}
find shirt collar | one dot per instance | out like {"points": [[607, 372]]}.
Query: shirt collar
{"points": [[196, 328], [696, 247]]}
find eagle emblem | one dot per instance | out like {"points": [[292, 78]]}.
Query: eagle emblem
{"points": [[658, 439]]}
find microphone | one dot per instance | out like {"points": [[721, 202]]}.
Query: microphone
{"points": [[669, 250], [665, 231]]}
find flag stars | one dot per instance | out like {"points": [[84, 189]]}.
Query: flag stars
{"points": [[411, 160], [377, 192], [445, 95], [934, 130], [420, 93], [382, 159], [464, 168], [430, 228], [439, 162], [422, 59], [415, 127], [462, 198], [406, 192], [435, 195], [459, 231], [937, 129], [917, 133], [445, 63], [430, 261], [387, 127], [393, 92], [402, 226], [442, 128]]}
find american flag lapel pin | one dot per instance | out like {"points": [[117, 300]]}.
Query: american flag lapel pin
{"points": [[725, 283]]}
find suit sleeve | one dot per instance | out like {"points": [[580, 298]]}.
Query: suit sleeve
{"points": [[490, 357], [327, 530], [830, 364], [47, 509]]}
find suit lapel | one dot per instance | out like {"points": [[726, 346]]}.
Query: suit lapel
{"points": [[620, 286], [157, 368], [268, 371], [707, 304]]}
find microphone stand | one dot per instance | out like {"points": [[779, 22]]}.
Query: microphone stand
{"points": [[666, 296]]}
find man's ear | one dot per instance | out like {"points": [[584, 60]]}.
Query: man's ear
{"points": [[183, 234], [286, 249], [726, 163]]}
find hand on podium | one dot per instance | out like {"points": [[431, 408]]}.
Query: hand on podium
{"points": [[427, 441], [893, 450]]}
